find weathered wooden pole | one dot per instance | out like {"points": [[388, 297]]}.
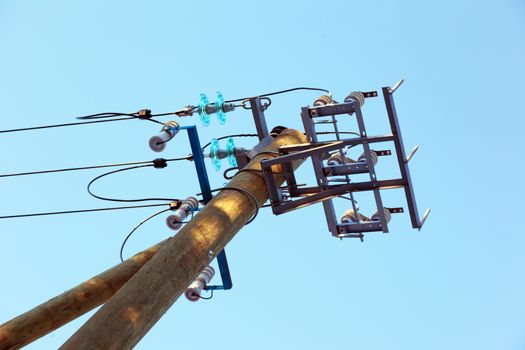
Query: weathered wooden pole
{"points": [[71, 304], [138, 305]]}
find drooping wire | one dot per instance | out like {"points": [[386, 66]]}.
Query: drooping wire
{"points": [[126, 200], [136, 228], [246, 193], [229, 177], [79, 211], [207, 298], [281, 92]]}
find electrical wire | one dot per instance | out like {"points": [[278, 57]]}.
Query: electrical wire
{"points": [[227, 136], [125, 200], [350, 199], [74, 169], [79, 211], [281, 92], [190, 157], [136, 228], [207, 298], [339, 132], [246, 193], [107, 115], [62, 125], [256, 135], [225, 173]]}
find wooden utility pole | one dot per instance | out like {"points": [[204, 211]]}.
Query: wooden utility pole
{"points": [[71, 304], [139, 304]]}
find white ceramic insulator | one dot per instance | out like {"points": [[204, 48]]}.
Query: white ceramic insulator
{"points": [[375, 158], [356, 96], [193, 292], [338, 158], [350, 216], [175, 220], [323, 100], [388, 216], [158, 142]]}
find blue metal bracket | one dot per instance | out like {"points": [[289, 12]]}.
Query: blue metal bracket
{"points": [[198, 160]]}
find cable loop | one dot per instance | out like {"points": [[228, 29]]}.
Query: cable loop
{"points": [[245, 104], [247, 194], [267, 104], [225, 174]]}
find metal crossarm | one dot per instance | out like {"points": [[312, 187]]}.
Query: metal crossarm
{"points": [[335, 180]]}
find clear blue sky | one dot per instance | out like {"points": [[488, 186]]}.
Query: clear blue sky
{"points": [[457, 284]]}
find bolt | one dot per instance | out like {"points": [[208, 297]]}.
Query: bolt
{"points": [[210, 254]]}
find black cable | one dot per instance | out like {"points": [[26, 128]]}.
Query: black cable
{"points": [[107, 115], [243, 191], [350, 199], [91, 167], [281, 92], [62, 125], [227, 136], [145, 115], [207, 298], [79, 211], [125, 200], [272, 153], [135, 229], [258, 171], [339, 132], [224, 174], [73, 169], [165, 114]]}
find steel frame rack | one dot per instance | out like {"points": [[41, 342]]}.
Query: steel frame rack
{"points": [[325, 190]]}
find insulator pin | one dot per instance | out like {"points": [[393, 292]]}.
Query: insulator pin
{"points": [[356, 96], [175, 220], [338, 158], [194, 290], [351, 217], [388, 216], [373, 156], [158, 142], [323, 100]]}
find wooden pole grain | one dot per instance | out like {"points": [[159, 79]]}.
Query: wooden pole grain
{"points": [[71, 304], [139, 304]]}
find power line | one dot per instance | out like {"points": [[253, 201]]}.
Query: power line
{"points": [[227, 136], [136, 228], [80, 211], [282, 92], [93, 167], [62, 125]]}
